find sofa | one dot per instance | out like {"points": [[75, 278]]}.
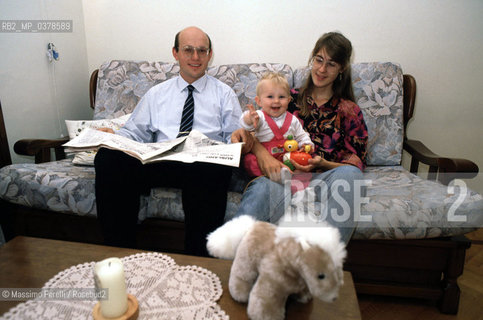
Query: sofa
{"points": [[409, 248]]}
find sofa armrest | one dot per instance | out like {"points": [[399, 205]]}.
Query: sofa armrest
{"points": [[445, 168], [40, 148]]}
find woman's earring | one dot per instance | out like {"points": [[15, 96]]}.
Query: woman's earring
{"points": [[340, 76]]}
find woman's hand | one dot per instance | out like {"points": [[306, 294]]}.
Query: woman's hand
{"points": [[314, 163], [317, 163]]}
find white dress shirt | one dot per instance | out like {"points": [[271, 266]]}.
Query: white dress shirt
{"points": [[157, 116]]}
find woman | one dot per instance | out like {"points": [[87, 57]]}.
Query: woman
{"points": [[325, 105]]}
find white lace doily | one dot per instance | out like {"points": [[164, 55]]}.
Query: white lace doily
{"points": [[164, 291]]}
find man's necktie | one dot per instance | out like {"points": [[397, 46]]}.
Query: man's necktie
{"points": [[187, 116]]}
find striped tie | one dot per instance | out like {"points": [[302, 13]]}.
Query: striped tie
{"points": [[188, 111]]}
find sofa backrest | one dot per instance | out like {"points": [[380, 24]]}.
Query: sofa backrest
{"points": [[378, 88], [243, 78], [121, 84]]}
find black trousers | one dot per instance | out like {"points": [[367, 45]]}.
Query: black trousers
{"points": [[121, 179]]}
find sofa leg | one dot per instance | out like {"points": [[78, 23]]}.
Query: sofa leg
{"points": [[449, 301], [7, 222]]}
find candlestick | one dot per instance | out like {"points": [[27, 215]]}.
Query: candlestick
{"points": [[132, 312], [109, 274]]}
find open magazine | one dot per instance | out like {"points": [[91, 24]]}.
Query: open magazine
{"points": [[193, 147]]}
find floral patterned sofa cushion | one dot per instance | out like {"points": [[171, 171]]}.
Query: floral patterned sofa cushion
{"points": [[63, 187], [378, 89], [405, 206], [401, 204]]}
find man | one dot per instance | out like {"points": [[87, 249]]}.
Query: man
{"points": [[159, 116]]}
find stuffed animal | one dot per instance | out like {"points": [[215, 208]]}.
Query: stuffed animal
{"points": [[271, 263]]}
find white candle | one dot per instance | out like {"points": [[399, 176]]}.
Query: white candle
{"points": [[109, 274]]}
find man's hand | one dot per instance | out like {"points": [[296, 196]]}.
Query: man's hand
{"points": [[269, 166], [108, 130], [241, 135]]}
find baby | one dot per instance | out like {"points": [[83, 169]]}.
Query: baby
{"points": [[273, 123]]}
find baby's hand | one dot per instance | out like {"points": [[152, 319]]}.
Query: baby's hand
{"points": [[306, 148], [253, 116]]}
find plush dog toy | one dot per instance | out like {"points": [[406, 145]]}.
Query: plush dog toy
{"points": [[271, 263]]}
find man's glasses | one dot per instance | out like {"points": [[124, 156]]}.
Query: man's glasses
{"points": [[188, 51], [318, 62]]}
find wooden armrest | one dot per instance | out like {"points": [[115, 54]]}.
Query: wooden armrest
{"points": [[40, 148], [449, 168]]}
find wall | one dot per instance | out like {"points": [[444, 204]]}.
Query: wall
{"points": [[438, 41], [36, 95]]}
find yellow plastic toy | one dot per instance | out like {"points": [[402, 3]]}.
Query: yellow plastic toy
{"points": [[301, 157]]}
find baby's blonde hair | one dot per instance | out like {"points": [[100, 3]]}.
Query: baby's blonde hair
{"points": [[277, 79]]}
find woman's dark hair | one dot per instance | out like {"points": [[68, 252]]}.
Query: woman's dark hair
{"points": [[339, 48]]}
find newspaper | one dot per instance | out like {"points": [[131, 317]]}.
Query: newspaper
{"points": [[193, 147]]}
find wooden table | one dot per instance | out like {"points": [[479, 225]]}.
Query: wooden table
{"points": [[30, 262]]}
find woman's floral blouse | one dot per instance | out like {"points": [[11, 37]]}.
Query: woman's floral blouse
{"points": [[337, 129]]}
